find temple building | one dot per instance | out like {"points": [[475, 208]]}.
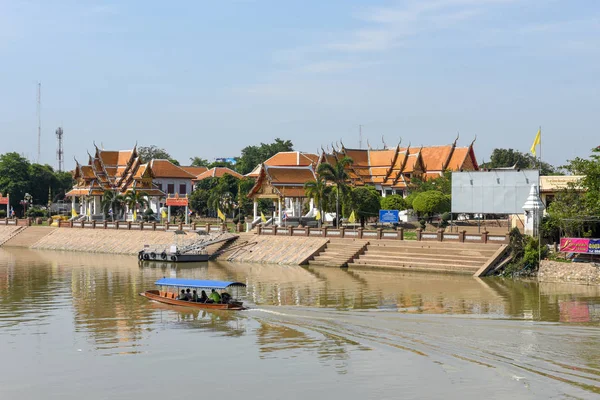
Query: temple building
{"points": [[217, 172], [391, 171], [122, 172]]}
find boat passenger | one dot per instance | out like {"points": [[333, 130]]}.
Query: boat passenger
{"points": [[214, 296], [188, 295], [203, 297], [225, 297], [194, 296], [182, 296]]}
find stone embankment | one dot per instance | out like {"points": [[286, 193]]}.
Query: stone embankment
{"points": [[554, 271], [273, 249], [8, 232], [109, 241]]}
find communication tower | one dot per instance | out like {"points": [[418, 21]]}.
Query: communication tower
{"points": [[60, 156], [39, 118]]}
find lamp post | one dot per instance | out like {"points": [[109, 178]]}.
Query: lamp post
{"points": [[27, 199]]}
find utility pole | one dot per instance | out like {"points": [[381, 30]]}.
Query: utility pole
{"points": [[360, 136], [39, 117]]}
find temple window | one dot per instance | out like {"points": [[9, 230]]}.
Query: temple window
{"points": [[171, 188], [182, 188]]}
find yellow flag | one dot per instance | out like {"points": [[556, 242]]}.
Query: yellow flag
{"points": [[536, 141], [220, 214], [163, 214], [318, 215], [352, 218], [262, 217], [134, 215], [89, 210], [73, 212]]}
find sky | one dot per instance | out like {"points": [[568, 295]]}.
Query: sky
{"points": [[206, 79]]}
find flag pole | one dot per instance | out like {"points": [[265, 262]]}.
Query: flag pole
{"points": [[539, 220]]}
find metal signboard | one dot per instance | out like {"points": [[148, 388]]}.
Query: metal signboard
{"points": [[388, 216], [492, 192], [177, 201]]}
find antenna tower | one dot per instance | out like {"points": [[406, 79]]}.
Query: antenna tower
{"points": [[360, 136], [39, 118], [59, 151]]}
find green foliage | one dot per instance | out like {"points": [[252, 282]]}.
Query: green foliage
{"points": [[2, 213], [318, 191], [364, 201], [115, 201], [199, 162], [410, 198], [590, 168], [337, 175], [442, 184], [422, 223], [136, 198], [18, 176], [33, 212], [147, 153], [254, 155], [431, 202], [505, 158], [199, 201], [393, 202], [524, 254]]}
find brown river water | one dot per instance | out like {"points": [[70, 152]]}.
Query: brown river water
{"points": [[72, 326]]}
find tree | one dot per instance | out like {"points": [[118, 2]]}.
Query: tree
{"points": [[393, 202], [506, 158], [590, 169], [364, 201], [254, 155], [431, 202], [112, 201], [442, 184], [317, 190], [199, 162], [147, 153], [199, 201], [135, 198], [14, 177], [338, 176]]}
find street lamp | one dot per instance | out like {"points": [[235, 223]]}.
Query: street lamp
{"points": [[27, 199]]}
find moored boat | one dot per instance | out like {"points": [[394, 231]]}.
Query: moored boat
{"points": [[174, 298]]}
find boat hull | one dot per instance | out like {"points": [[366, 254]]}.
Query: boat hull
{"points": [[156, 296]]}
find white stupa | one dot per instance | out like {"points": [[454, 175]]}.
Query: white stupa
{"points": [[534, 209]]}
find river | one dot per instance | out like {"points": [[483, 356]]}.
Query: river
{"points": [[72, 326]]}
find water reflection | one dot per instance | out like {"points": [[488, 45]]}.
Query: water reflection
{"points": [[332, 316]]}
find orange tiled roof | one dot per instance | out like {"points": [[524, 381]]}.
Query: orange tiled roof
{"points": [[166, 169], [435, 157], [292, 158], [381, 157], [255, 172], [124, 157], [290, 175], [194, 170], [109, 158], [217, 172], [458, 158]]}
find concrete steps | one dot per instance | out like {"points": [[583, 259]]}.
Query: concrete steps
{"points": [[28, 236], [339, 252], [8, 232], [427, 256]]}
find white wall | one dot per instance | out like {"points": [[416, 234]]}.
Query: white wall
{"points": [[176, 182]]}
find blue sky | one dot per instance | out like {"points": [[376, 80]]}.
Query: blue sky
{"points": [[209, 78]]}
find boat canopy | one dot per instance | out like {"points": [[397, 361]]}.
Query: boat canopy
{"points": [[194, 283]]}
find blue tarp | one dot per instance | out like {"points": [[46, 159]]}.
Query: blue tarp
{"points": [[194, 283]]}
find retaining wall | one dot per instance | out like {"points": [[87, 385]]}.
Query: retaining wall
{"points": [[554, 271]]}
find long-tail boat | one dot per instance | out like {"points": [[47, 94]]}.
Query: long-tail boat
{"points": [[168, 296]]}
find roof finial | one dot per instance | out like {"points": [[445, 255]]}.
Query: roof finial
{"points": [[456, 140], [342, 144], [369, 145], [384, 145], [399, 142]]}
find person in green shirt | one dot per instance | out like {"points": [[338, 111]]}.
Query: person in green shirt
{"points": [[214, 296]]}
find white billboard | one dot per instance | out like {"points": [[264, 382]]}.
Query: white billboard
{"points": [[492, 192]]}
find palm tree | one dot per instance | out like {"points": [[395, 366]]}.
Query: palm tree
{"points": [[135, 198], [337, 175], [317, 190], [112, 200]]}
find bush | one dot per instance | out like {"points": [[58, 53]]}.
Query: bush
{"points": [[431, 202], [394, 202], [524, 254], [2, 213], [36, 212], [422, 223]]}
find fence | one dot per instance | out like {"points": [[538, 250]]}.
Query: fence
{"points": [[439, 236]]}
